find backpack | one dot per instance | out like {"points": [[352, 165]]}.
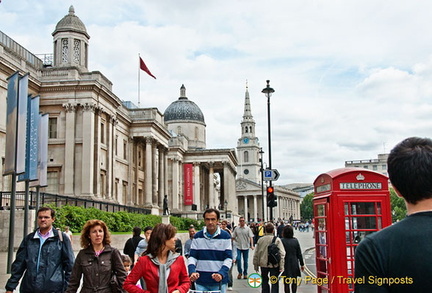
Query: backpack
{"points": [[273, 253], [260, 231]]}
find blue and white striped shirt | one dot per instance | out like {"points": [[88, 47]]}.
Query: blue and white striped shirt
{"points": [[210, 254]]}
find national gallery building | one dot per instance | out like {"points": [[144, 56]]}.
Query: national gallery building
{"points": [[103, 148]]}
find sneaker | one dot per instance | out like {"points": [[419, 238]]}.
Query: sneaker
{"points": [[229, 288], [239, 276], [245, 277]]}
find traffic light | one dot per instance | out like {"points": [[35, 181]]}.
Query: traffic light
{"points": [[271, 197]]}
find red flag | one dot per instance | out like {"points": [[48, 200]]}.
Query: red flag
{"points": [[144, 67]]}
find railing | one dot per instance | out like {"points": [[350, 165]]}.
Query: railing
{"points": [[61, 200], [13, 46], [47, 59]]}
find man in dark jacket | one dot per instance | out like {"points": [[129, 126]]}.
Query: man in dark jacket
{"points": [[45, 257], [132, 243]]}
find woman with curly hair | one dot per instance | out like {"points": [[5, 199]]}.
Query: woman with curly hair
{"points": [[163, 270], [97, 261]]}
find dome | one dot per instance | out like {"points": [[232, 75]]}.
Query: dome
{"points": [[71, 23], [183, 109]]}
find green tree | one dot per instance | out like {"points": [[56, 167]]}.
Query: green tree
{"points": [[397, 206], [306, 207]]}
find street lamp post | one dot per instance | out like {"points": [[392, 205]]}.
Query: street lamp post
{"points": [[268, 91], [261, 152]]}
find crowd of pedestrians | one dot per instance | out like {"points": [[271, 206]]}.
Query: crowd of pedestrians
{"points": [[151, 262]]}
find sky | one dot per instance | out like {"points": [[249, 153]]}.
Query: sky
{"points": [[351, 78]]}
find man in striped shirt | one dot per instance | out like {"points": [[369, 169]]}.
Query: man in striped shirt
{"points": [[210, 256]]}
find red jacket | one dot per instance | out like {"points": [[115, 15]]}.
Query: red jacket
{"points": [[178, 278]]}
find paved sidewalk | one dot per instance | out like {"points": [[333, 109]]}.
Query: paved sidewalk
{"points": [[240, 286]]}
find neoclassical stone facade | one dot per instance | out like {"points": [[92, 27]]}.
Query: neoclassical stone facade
{"points": [[103, 148]]}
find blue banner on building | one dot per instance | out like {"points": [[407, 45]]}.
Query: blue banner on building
{"points": [[21, 124], [11, 124], [32, 142]]}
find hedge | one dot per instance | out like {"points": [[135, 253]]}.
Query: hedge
{"points": [[75, 217]]}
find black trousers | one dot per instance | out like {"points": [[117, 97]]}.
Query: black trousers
{"points": [[270, 274]]}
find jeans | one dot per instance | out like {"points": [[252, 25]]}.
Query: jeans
{"points": [[222, 289], [245, 253], [265, 287]]}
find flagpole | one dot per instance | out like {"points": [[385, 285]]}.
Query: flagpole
{"points": [[139, 80]]}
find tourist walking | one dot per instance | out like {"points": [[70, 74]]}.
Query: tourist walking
{"points": [[45, 258], [97, 264]]}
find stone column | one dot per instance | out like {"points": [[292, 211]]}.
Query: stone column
{"points": [[154, 175], [196, 188], [110, 157], [161, 177], [130, 178], [212, 200], [69, 166], [245, 199], [175, 183], [148, 171], [255, 208], [87, 162]]}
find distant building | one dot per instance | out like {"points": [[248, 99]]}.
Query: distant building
{"points": [[379, 165], [302, 189], [251, 204]]}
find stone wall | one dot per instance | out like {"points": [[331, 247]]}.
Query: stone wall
{"points": [[19, 227]]}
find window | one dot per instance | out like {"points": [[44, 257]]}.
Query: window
{"points": [[52, 126], [77, 51], [139, 158], [124, 149], [124, 191], [374, 167], [102, 133], [246, 156], [115, 145], [116, 186], [384, 167], [65, 50], [52, 181]]}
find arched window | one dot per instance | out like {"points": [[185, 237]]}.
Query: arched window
{"points": [[246, 156], [246, 129]]}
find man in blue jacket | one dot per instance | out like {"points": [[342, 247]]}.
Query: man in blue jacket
{"points": [[210, 255], [45, 257]]}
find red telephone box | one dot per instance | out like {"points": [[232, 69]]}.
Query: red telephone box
{"points": [[349, 203]]}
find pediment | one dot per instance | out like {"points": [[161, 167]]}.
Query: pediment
{"points": [[247, 185]]}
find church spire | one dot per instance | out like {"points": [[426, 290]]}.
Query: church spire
{"points": [[247, 115]]}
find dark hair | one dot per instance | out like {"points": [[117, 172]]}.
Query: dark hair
{"points": [[410, 168], [148, 228], [44, 209], [288, 232], [208, 211], [160, 234], [85, 233], [269, 228], [126, 258], [136, 231]]}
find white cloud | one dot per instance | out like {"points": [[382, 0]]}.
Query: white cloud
{"points": [[351, 79]]}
